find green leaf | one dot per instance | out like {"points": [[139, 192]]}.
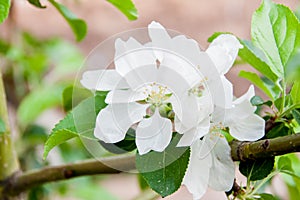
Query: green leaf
{"points": [[295, 92], [279, 130], [2, 127], [142, 183], [256, 80], [164, 171], [78, 26], [292, 69], [36, 3], [80, 122], [275, 30], [258, 101], [256, 58], [296, 115], [56, 138], [257, 169], [265, 196], [72, 96], [284, 163], [126, 7], [38, 101], [4, 10]]}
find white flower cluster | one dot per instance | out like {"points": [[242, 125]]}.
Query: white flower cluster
{"points": [[169, 85]]}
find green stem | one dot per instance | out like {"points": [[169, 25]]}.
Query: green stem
{"points": [[261, 183], [8, 158]]}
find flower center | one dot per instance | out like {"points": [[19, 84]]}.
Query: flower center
{"points": [[157, 94]]}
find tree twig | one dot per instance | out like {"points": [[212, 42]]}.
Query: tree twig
{"points": [[265, 148], [18, 183]]}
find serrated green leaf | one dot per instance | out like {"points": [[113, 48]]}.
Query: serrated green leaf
{"points": [[4, 9], [164, 171], [257, 169], [36, 3], [295, 92], [80, 122], [78, 26], [275, 30], [2, 127], [56, 138], [256, 58], [127, 7], [38, 101], [257, 81]]}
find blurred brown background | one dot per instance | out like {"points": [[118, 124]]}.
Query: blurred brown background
{"points": [[197, 19]]}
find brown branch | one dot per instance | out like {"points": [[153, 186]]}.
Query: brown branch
{"points": [[265, 148], [21, 182], [239, 150]]}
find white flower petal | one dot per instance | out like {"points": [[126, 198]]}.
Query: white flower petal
{"points": [[221, 91], [103, 80], [153, 133], [197, 175], [222, 171], [160, 39], [113, 121], [124, 96], [140, 76], [186, 72], [248, 129], [223, 51], [185, 108], [246, 97], [131, 55], [194, 134]]}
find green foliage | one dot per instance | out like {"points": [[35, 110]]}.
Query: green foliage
{"points": [[72, 96], [295, 92], [164, 171], [256, 58], [280, 129], [2, 126], [4, 9], [296, 115], [265, 196], [257, 81], [36, 3], [78, 26], [276, 31], [257, 169], [126, 7], [258, 101], [38, 101], [80, 122]]}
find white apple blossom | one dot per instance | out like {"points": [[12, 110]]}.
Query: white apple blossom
{"points": [[210, 161], [147, 78], [210, 166]]}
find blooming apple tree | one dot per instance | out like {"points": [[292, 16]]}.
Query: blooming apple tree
{"points": [[168, 104]]}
